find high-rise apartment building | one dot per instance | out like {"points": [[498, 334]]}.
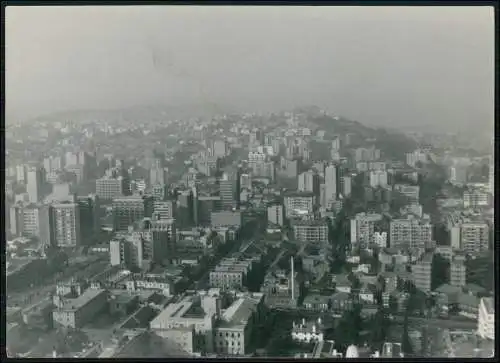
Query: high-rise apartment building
{"points": [[378, 178], [346, 186], [471, 237], [458, 271], [310, 231], [158, 175], [163, 209], [35, 186], [422, 272], [415, 157], [275, 214], [367, 154], [411, 232], [246, 181], [127, 210], [110, 187], [476, 198], [363, 229], [158, 238], [66, 219], [206, 205], [90, 214], [220, 148], [228, 187], [297, 203], [308, 181], [32, 220], [21, 173], [331, 183]]}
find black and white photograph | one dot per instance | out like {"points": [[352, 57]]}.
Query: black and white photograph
{"points": [[262, 181]]}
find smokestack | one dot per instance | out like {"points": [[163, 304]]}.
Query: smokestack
{"points": [[292, 278]]}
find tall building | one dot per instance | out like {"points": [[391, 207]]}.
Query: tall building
{"points": [[21, 173], [363, 229], [422, 273], [476, 198], [308, 181], [127, 210], [35, 185], [33, 220], [158, 176], [290, 168], [297, 203], [66, 219], [470, 236], [415, 157], [378, 179], [163, 209], [70, 158], [246, 181], [159, 191], [53, 163], [367, 154], [310, 231], [458, 271], [90, 211], [119, 252], [336, 143], [220, 148], [411, 232], [264, 170], [275, 214], [228, 188], [346, 185], [184, 209], [207, 205], [458, 173], [158, 238], [331, 183], [110, 187]]}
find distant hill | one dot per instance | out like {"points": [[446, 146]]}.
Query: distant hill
{"points": [[134, 113], [393, 144]]}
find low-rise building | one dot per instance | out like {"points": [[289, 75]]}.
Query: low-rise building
{"points": [[315, 302], [308, 331], [189, 322], [468, 306], [76, 312], [230, 273], [232, 335], [340, 302]]}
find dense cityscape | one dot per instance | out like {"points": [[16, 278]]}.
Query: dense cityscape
{"points": [[290, 234]]}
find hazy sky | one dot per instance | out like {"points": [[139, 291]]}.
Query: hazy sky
{"points": [[378, 65]]}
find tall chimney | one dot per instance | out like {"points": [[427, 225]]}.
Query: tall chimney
{"points": [[292, 278]]}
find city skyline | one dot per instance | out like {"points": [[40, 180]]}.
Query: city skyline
{"points": [[406, 67]]}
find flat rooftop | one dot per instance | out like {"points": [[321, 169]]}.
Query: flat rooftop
{"points": [[83, 299]]}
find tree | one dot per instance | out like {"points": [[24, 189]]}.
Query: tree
{"points": [[379, 327], [349, 327]]}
